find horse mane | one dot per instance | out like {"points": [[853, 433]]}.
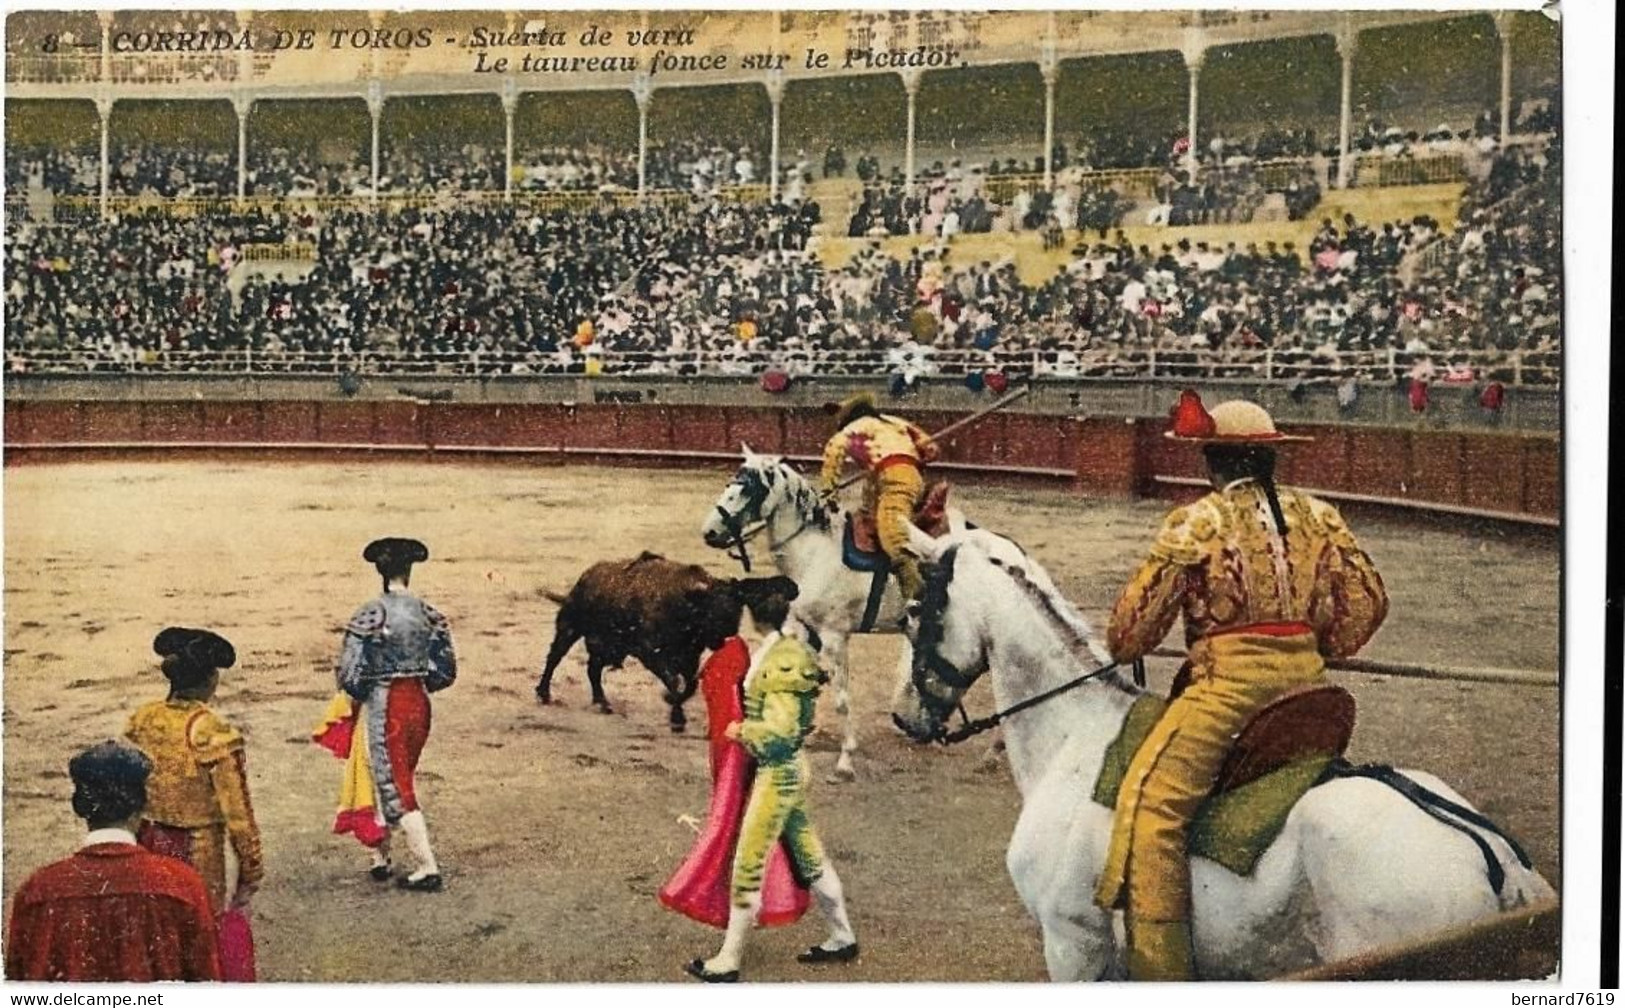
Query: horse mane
{"points": [[1071, 625], [933, 610], [803, 497]]}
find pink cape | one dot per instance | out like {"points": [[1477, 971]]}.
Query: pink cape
{"points": [[700, 888], [233, 936], [236, 941]]}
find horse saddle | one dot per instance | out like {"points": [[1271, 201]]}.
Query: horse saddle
{"points": [[1283, 751], [860, 545], [1305, 722]]}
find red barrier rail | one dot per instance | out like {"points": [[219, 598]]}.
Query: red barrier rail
{"points": [[1506, 477]]}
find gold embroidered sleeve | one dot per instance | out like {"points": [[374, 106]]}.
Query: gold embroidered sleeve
{"points": [[1354, 602], [220, 752], [1146, 610], [924, 444], [834, 458]]}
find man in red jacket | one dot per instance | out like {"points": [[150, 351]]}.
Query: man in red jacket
{"points": [[112, 911]]}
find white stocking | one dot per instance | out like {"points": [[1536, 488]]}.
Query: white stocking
{"points": [[740, 920], [832, 904], [417, 841]]}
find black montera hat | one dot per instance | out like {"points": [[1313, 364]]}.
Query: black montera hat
{"points": [[109, 782], [110, 762], [393, 552], [202, 648]]}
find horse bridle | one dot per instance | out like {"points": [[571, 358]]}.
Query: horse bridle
{"points": [[928, 658], [755, 491]]}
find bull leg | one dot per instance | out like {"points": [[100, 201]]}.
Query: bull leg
{"points": [[680, 686], [565, 636], [595, 677]]}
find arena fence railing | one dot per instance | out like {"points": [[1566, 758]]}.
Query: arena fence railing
{"points": [[1535, 368]]}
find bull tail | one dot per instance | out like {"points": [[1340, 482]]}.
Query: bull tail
{"points": [[554, 597]]}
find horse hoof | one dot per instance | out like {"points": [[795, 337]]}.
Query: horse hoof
{"points": [[843, 775]]}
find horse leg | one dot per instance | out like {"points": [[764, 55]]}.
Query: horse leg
{"points": [[833, 658], [565, 636], [1075, 949]]}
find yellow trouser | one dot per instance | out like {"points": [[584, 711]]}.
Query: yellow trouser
{"points": [[1233, 675], [777, 808], [893, 494]]}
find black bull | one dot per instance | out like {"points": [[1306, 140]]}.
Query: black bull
{"points": [[664, 614]]}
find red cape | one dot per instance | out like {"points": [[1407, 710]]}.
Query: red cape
{"points": [[700, 888]]}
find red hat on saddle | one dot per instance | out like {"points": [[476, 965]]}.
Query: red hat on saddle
{"points": [[1235, 422]]}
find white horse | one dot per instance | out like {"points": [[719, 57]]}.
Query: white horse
{"points": [[1355, 867], [804, 540]]}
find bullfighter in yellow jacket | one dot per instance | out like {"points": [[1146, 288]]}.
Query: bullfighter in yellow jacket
{"points": [[781, 691], [197, 796], [892, 452], [1270, 583]]}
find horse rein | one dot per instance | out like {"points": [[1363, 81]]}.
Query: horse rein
{"points": [[949, 674]]}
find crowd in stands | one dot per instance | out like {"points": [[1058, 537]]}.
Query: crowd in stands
{"points": [[514, 290], [171, 171], [957, 199], [1497, 282]]}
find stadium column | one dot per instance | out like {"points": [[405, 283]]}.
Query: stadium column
{"points": [[1049, 66], [106, 19], [245, 57], [1348, 41], [775, 97], [104, 112], [1503, 28], [1195, 51], [911, 87], [242, 104], [1051, 69], [510, 103], [643, 93], [104, 102], [375, 110]]}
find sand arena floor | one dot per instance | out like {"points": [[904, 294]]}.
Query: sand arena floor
{"points": [[557, 825]]}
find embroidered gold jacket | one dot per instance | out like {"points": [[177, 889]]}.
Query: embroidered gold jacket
{"points": [[780, 694], [199, 777], [874, 442], [1220, 564]]}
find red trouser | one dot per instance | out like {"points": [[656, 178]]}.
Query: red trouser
{"points": [[406, 731]]}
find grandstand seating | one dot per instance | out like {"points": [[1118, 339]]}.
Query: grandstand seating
{"points": [[1117, 259]]}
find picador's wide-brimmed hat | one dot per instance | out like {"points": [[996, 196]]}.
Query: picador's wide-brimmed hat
{"points": [[849, 409], [395, 553], [1235, 422], [201, 648]]}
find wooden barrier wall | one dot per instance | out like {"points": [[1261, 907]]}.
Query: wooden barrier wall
{"points": [[1516, 476]]}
